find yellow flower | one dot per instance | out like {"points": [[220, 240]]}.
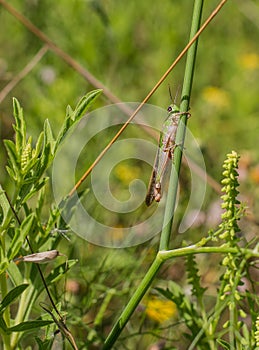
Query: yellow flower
{"points": [[216, 97], [249, 61], [160, 310], [126, 173]]}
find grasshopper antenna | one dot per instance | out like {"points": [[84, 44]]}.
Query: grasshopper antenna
{"points": [[177, 92], [176, 95], [170, 92]]}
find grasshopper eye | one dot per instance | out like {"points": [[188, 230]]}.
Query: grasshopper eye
{"points": [[169, 109]]}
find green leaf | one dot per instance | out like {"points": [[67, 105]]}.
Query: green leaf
{"points": [[65, 127], [194, 277], [4, 204], [28, 170], [27, 224], [29, 325], [34, 189], [60, 270], [11, 173], [43, 162], [69, 112], [40, 203], [45, 344], [223, 343], [3, 324], [48, 136], [25, 190], [85, 103], [74, 116], [13, 157], [12, 296], [20, 234], [46, 157], [14, 274], [4, 263], [20, 126], [38, 146]]}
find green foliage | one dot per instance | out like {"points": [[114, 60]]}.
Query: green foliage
{"points": [[194, 278], [232, 302], [22, 227], [119, 47], [11, 296]]}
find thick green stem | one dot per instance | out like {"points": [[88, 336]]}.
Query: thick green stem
{"points": [[171, 199], [133, 303], [196, 249], [184, 107]]}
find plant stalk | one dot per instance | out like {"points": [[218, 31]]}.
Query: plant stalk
{"points": [[133, 303], [180, 136], [150, 275]]}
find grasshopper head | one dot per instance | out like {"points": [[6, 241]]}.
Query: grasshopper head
{"points": [[173, 109]]}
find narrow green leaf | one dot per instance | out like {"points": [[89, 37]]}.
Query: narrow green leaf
{"points": [[3, 324], [4, 263], [38, 146], [44, 161], [29, 169], [74, 116], [26, 190], [16, 244], [41, 183], [13, 157], [12, 296], [15, 274], [45, 344], [27, 224], [11, 173], [20, 126], [85, 103], [29, 180], [48, 136], [60, 270], [64, 129], [10, 147], [34, 189], [29, 325], [4, 203], [69, 112], [224, 344], [40, 203], [20, 234]]}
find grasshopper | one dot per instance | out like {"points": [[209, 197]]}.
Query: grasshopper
{"points": [[165, 153]]}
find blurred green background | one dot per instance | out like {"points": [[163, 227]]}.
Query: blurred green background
{"points": [[128, 45]]}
